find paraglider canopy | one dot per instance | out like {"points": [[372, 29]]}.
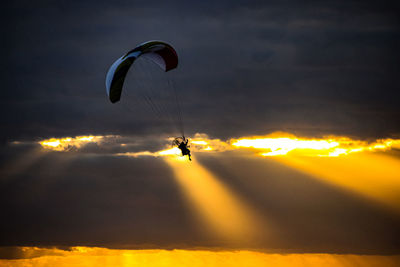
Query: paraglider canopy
{"points": [[161, 53]]}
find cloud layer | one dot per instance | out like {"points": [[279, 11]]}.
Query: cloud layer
{"points": [[250, 66], [92, 257]]}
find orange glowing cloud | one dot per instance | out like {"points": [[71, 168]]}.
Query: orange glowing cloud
{"points": [[174, 151], [69, 143], [202, 143], [93, 256], [275, 144], [278, 144]]}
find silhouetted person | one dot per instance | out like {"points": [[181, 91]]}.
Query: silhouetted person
{"points": [[184, 147]]}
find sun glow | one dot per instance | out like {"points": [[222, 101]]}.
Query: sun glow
{"points": [[202, 143], [170, 151], [69, 143], [199, 142], [174, 151], [275, 145]]}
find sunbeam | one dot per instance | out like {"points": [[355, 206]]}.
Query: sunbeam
{"points": [[223, 212], [372, 175], [21, 164]]}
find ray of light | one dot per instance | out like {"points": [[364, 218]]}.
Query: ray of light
{"points": [[219, 208], [85, 256], [372, 175], [19, 165]]}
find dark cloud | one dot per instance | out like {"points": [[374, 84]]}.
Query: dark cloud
{"points": [[245, 67]]}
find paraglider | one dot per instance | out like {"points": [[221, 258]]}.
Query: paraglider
{"points": [[163, 55]]}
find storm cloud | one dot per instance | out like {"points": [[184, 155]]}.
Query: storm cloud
{"points": [[307, 67]]}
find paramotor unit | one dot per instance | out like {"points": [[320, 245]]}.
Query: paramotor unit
{"points": [[182, 144]]}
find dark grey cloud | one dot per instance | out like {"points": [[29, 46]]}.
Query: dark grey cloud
{"points": [[245, 67]]}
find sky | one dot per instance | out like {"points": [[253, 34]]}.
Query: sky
{"points": [[291, 107]]}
